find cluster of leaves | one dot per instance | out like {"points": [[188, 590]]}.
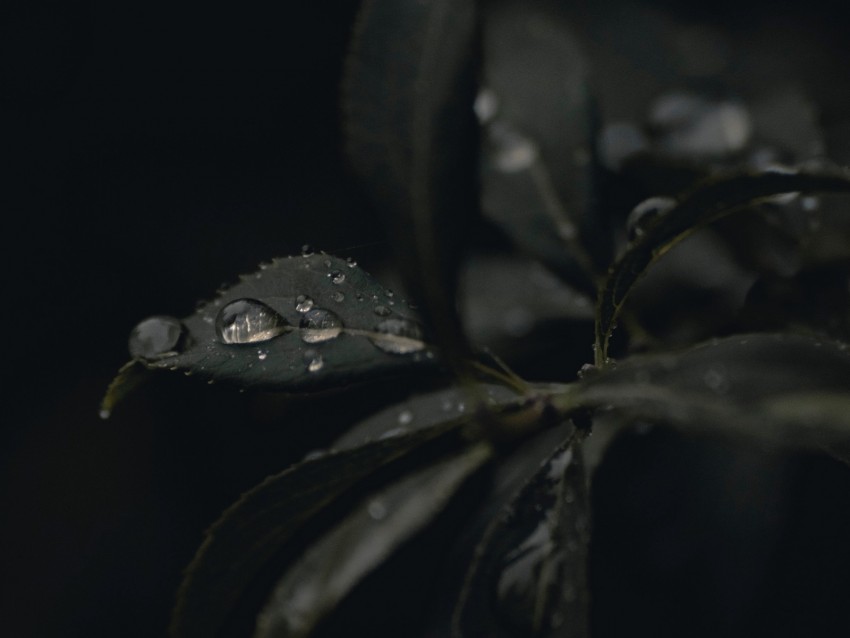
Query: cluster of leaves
{"points": [[485, 478]]}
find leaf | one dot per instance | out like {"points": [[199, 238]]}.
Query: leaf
{"points": [[776, 389], [529, 576], [707, 202], [273, 515], [424, 411], [535, 109], [412, 140], [377, 527], [369, 333]]}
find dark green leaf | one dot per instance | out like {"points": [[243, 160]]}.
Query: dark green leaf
{"points": [[257, 527], [424, 411], [709, 201], [409, 90], [782, 390], [377, 527], [536, 112], [364, 315], [529, 577]]}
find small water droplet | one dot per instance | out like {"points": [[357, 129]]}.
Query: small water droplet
{"points": [[405, 417], [447, 405], [377, 510], [248, 321], [644, 215], [156, 338], [389, 293], [359, 296], [486, 105], [338, 296], [262, 354], [307, 250], [587, 370], [336, 276], [318, 325], [382, 311], [303, 303], [351, 262], [461, 406], [105, 414], [398, 336], [316, 364], [810, 203]]}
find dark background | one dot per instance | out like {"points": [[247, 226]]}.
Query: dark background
{"points": [[152, 153]]}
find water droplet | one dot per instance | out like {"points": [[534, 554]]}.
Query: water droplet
{"points": [[307, 250], [315, 364], [382, 311], [303, 303], [398, 336], [318, 325], [351, 262], [644, 214], [336, 276], [262, 354], [359, 296], [388, 292], [405, 417], [156, 338], [338, 296], [105, 414], [248, 321], [377, 510], [810, 203], [514, 151], [587, 370], [486, 105], [327, 263]]}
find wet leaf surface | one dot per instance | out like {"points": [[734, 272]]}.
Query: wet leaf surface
{"points": [[375, 529], [279, 512], [425, 411], [707, 202], [412, 139], [529, 574], [778, 389], [301, 323]]}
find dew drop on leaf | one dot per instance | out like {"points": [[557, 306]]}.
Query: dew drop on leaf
{"points": [[338, 297], [382, 311], [405, 417], [398, 336], [645, 213], [307, 250], [318, 325], [336, 276], [377, 510], [248, 321], [156, 337], [303, 303]]}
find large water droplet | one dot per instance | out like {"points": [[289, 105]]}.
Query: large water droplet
{"points": [[303, 303], [156, 338], [645, 213], [248, 321], [319, 325], [398, 336]]}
